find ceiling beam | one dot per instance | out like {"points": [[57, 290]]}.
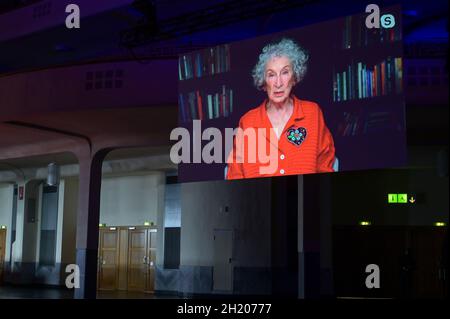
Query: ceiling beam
{"points": [[208, 18]]}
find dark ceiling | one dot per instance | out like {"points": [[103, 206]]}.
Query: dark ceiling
{"points": [[184, 25]]}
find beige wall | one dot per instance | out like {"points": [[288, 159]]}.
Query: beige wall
{"points": [[131, 200]]}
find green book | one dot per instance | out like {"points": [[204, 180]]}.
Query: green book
{"points": [[210, 107], [344, 86]]}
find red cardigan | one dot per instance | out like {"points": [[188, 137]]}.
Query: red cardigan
{"points": [[305, 145]]}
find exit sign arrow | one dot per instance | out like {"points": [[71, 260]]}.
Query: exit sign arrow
{"points": [[402, 198]]}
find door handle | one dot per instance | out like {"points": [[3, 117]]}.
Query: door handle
{"points": [[144, 260]]}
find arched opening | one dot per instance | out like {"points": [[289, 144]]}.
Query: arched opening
{"points": [[38, 221], [135, 193]]}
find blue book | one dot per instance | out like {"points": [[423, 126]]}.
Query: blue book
{"points": [[224, 101], [231, 101], [338, 87], [350, 86], [334, 87], [192, 105], [364, 77], [360, 96]]}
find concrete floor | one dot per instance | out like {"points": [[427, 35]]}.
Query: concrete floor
{"points": [[34, 292], [38, 292]]}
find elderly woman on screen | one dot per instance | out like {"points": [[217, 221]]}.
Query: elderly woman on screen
{"points": [[303, 143]]}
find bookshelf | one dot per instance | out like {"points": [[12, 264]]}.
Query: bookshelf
{"points": [[360, 80], [370, 61], [208, 62], [367, 81], [359, 123], [369, 117], [204, 90], [206, 105], [355, 35]]}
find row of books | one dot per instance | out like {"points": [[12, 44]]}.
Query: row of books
{"points": [[206, 62], [358, 81], [361, 123], [199, 105], [356, 34]]}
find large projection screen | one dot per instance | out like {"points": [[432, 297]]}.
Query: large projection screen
{"points": [[347, 113]]}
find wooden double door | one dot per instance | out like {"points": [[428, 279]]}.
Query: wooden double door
{"points": [[127, 258]]}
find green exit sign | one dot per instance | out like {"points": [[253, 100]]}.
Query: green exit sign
{"points": [[400, 199], [392, 198]]}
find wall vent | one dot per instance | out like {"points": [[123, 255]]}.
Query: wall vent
{"points": [[104, 79], [426, 75], [42, 10]]}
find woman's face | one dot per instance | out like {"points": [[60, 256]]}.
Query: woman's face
{"points": [[279, 78]]}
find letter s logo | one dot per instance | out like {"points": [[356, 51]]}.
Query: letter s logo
{"points": [[387, 21]]}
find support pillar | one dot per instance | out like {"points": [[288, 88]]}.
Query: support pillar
{"points": [[309, 237], [314, 236], [87, 224]]}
